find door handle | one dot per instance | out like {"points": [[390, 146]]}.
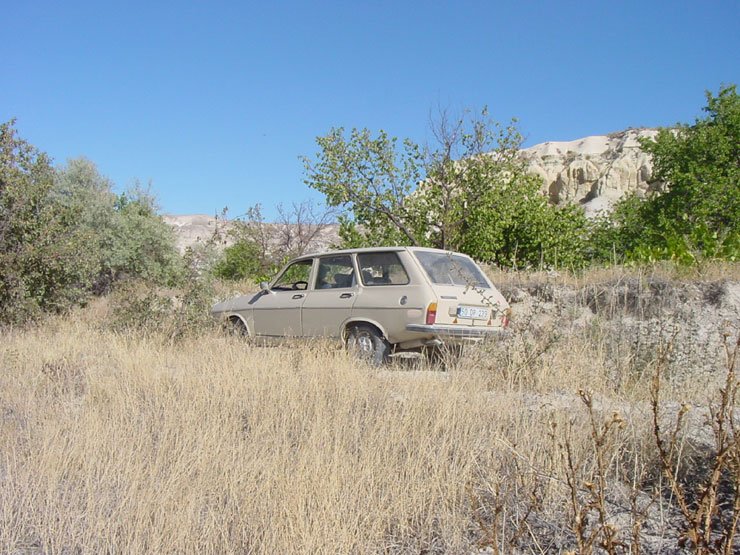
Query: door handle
{"points": [[346, 295], [298, 296]]}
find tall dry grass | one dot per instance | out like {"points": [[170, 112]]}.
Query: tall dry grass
{"points": [[124, 443]]}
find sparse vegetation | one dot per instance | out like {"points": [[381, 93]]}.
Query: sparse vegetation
{"points": [[118, 440]]}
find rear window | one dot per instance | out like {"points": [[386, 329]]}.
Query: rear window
{"points": [[382, 268], [451, 269]]}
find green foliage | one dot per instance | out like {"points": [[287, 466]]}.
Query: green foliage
{"points": [[697, 216], [613, 235], [128, 236], [514, 226], [64, 234], [239, 261], [143, 244], [370, 178], [44, 256], [260, 249], [471, 193]]}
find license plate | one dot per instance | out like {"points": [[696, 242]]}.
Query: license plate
{"points": [[473, 312]]}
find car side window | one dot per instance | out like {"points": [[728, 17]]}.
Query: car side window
{"points": [[382, 268], [294, 277], [335, 272]]}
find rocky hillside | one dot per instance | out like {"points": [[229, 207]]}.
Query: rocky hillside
{"points": [[593, 171], [195, 228]]}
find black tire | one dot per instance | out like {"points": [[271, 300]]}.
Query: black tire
{"points": [[235, 327], [368, 344]]}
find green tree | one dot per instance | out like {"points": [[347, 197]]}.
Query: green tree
{"points": [[64, 234], [44, 256], [370, 179], [700, 165], [468, 192], [483, 202], [129, 238], [239, 261], [697, 214], [261, 248]]}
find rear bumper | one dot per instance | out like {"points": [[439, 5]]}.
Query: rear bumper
{"points": [[456, 332]]}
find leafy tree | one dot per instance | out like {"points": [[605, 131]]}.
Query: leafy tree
{"points": [[143, 244], [697, 214], [239, 261], [45, 260], [370, 179], [484, 202], [261, 248], [64, 234], [129, 237], [700, 165], [470, 192]]}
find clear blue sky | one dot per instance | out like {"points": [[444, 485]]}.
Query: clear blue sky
{"points": [[215, 101]]}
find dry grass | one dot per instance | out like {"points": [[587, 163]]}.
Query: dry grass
{"points": [[665, 271], [123, 443]]}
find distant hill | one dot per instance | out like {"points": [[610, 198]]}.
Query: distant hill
{"points": [[194, 228], [593, 171]]}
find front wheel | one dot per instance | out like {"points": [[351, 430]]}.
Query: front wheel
{"points": [[235, 327], [368, 344]]}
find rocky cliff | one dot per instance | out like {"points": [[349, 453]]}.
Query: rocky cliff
{"points": [[593, 171]]}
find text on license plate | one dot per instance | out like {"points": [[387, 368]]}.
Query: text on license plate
{"points": [[474, 312]]}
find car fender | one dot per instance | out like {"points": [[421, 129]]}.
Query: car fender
{"points": [[229, 315], [355, 320]]}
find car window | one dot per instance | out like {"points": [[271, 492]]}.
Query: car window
{"points": [[295, 276], [335, 272], [451, 269], [382, 268]]}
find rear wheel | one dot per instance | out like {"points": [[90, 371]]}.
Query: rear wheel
{"points": [[368, 344]]}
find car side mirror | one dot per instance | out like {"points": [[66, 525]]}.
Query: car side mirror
{"points": [[264, 286]]}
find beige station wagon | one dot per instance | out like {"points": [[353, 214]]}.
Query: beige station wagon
{"points": [[380, 302]]}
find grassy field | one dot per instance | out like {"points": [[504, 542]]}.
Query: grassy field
{"points": [[125, 442]]}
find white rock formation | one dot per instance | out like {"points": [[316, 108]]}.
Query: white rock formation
{"points": [[593, 171]]}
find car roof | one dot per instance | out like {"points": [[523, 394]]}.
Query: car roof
{"points": [[374, 249]]}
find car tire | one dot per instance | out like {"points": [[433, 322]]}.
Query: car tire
{"points": [[235, 327], [367, 343]]}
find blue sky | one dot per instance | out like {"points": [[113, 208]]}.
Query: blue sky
{"points": [[214, 102]]}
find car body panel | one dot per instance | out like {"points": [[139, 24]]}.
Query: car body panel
{"points": [[325, 311]]}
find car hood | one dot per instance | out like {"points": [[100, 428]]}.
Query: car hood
{"points": [[234, 304]]}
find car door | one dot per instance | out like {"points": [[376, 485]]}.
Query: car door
{"points": [[329, 302], [277, 313]]}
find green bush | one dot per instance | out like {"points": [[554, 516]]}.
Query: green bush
{"points": [[47, 260], [65, 235], [697, 215], [241, 260]]}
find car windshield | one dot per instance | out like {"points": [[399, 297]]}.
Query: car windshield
{"points": [[451, 269]]}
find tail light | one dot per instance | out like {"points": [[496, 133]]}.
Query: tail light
{"points": [[431, 313], [505, 318]]}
